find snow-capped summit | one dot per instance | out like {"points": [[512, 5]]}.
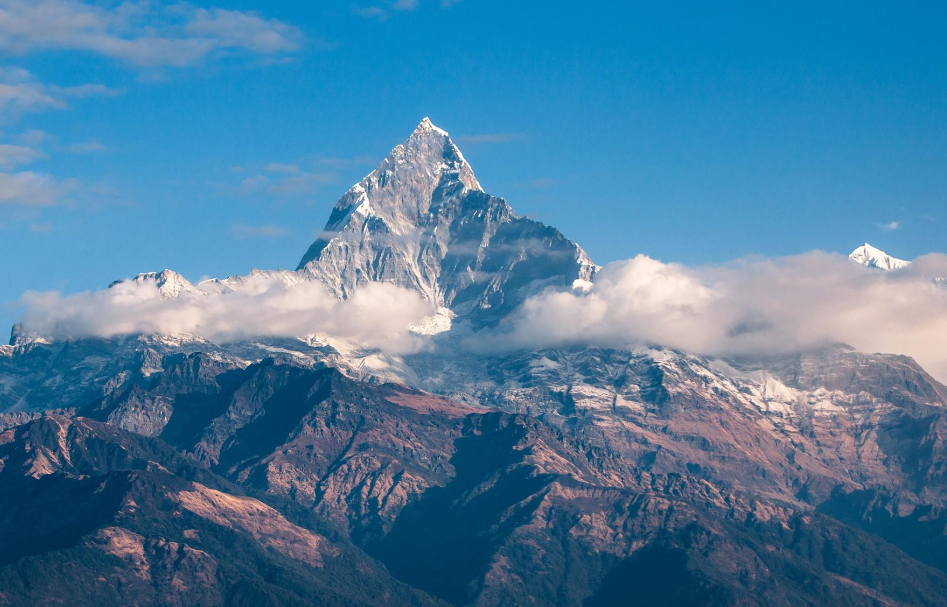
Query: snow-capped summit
{"points": [[871, 257], [170, 284], [421, 220]]}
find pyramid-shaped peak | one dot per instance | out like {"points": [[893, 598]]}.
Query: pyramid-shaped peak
{"points": [[430, 151], [426, 126]]}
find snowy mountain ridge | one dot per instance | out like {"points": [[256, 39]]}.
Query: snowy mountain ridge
{"points": [[872, 257]]}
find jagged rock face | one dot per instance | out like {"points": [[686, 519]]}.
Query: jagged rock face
{"points": [[422, 221], [92, 515]]}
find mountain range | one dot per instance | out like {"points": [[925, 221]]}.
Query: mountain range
{"points": [[175, 469]]}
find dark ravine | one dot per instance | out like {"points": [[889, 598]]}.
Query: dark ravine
{"points": [[169, 470]]}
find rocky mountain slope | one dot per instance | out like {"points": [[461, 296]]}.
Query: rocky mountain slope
{"points": [[170, 470]]}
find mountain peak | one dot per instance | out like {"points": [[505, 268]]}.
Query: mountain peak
{"points": [[421, 220], [873, 257], [426, 126]]}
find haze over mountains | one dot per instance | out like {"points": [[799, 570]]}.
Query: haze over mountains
{"points": [[447, 403]]}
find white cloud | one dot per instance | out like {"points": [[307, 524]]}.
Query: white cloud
{"points": [[27, 188], [245, 232], [244, 30], [253, 185], [372, 12], [89, 90], [21, 92], [765, 307], [14, 155], [293, 184], [405, 5], [384, 12], [301, 183], [34, 137], [143, 34], [378, 315], [890, 226]]}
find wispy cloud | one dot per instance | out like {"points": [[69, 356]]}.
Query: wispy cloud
{"points": [[143, 34], [289, 184], [21, 92], [384, 12], [41, 228], [372, 12], [891, 226], [245, 232], [15, 155], [34, 147], [28, 188], [89, 90], [491, 138], [301, 183]]}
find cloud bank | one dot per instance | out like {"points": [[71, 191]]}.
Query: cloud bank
{"points": [[750, 308], [378, 315], [753, 308]]}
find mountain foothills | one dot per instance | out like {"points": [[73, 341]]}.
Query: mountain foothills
{"points": [[172, 468]]}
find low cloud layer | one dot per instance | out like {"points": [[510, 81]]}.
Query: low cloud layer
{"points": [[378, 315], [755, 308], [761, 307]]}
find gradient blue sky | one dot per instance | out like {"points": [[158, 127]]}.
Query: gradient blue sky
{"points": [[139, 137]]}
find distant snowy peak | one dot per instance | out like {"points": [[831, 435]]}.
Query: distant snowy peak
{"points": [[170, 284], [235, 283], [871, 257]]}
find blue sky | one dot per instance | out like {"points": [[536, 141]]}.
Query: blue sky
{"points": [[212, 138]]}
